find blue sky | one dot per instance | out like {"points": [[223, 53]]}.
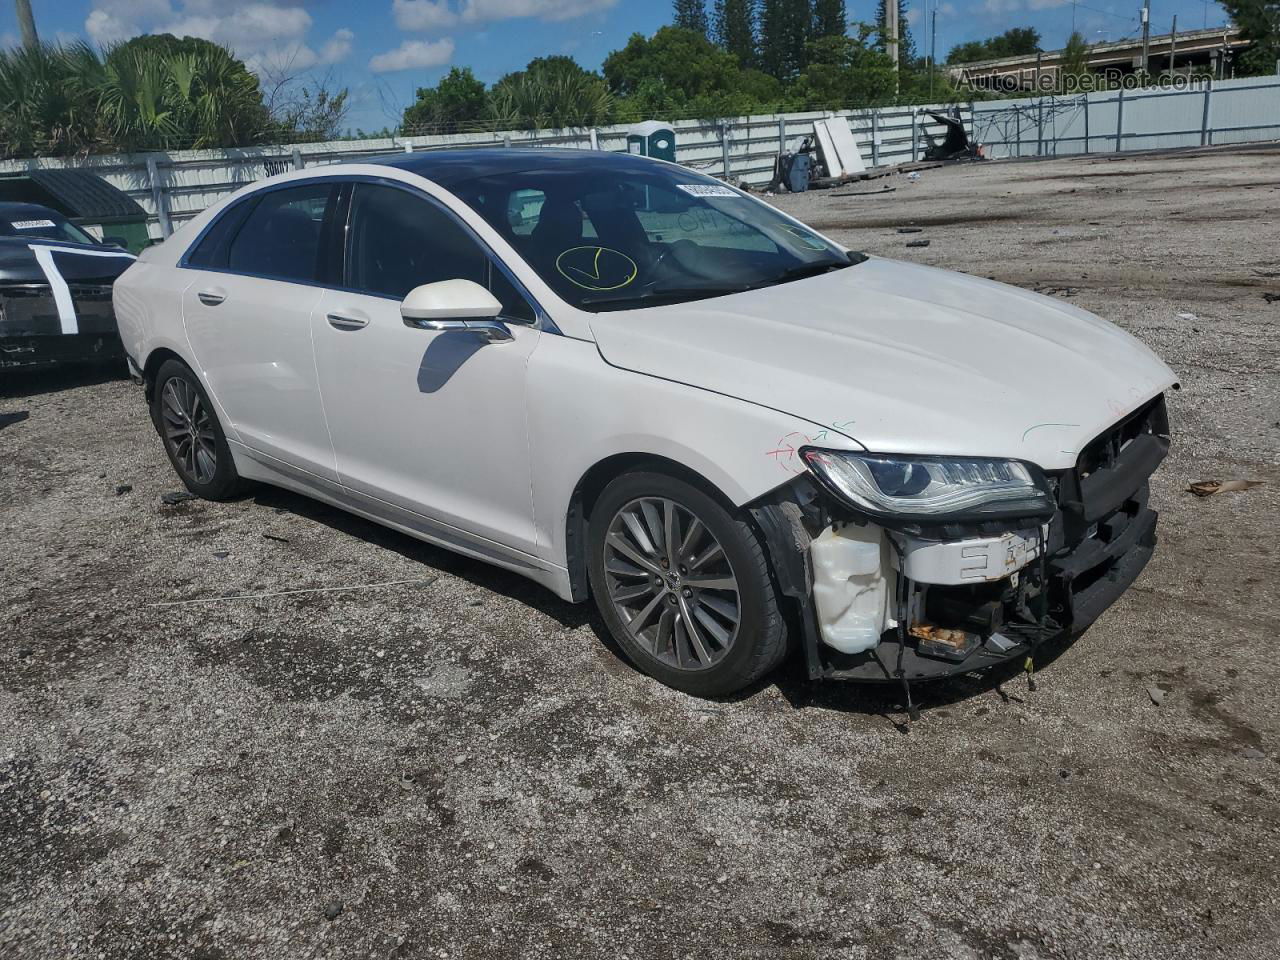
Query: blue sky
{"points": [[383, 49]]}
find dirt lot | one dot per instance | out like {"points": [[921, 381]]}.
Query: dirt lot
{"points": [[459, 765]]}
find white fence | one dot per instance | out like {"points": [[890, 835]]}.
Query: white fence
{"points": [[175, 186], [1214, 112]]}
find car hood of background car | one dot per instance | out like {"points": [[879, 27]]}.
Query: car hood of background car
{"points": [[18, 264], [902, 359]]}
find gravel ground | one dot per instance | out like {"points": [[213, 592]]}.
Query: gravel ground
{"points": [[460, 765]]}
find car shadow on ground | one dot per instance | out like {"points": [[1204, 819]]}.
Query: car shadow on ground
{"points": [[883, 699], [886, 699], [20, 382], [477, 572]]}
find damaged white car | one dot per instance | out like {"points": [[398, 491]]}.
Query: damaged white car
{"points": [[637, 385]]}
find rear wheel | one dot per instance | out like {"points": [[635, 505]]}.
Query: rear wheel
{"points": [[193, 438], [683, 584]]}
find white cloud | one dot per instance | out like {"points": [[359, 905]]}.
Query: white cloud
{"points": [[477, 11], [439, 15], [271, 36], [423, 15], [1012, 6], [338, 47], [106, 28], [249, 26], [414, 55]]}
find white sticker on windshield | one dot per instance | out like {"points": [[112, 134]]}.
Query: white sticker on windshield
{"points": [[31, 224], [707, 190]]}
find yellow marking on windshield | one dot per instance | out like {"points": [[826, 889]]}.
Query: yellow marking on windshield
{"points": [[603, 259]]}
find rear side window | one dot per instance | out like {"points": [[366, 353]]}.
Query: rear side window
{"points": [[210, 253], [280, 237]]}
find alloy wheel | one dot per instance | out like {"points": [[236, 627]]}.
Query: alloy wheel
{"points": [[671, 583], [188, 429]]}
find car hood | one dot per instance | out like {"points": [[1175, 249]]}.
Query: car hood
{"points": [[903, 359], [18, 264]]}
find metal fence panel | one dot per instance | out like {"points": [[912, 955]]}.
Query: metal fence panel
{"points": [[1223, 111]]}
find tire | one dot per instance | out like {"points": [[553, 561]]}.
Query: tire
{"points": [[627, 532], [177, 387]]}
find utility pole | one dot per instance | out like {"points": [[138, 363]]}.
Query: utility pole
{"points": [[1173, 44], [28, 24], [933, 48], [1146, 40], [891, 27]]}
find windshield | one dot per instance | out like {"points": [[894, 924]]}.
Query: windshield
{"points": [[626, 237], [43, 225]]}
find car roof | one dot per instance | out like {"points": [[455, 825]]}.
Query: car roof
{"points": [[451, 167], [13, 210]]}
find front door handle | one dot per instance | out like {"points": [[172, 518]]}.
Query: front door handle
{"points": [[211, 298], [344, 321]]}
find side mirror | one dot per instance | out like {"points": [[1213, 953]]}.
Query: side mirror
{"points": [[120, 242], [450, 300], [455, 305]]}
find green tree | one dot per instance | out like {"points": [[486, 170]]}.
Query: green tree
{"points": [[165, 92], [829, 18], [1015, 42], [47, 100], [314, 113], [1259, 21], [679, 72], [150, 93], [550, 92], [844, 71], [690, 15], [457, 99], [785, 27], [735, 29], [1075, 57]]}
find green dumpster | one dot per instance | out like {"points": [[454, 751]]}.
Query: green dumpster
{"points": [[83, 198]]}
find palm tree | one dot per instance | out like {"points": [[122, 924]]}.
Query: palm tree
{"points": [[137, 96], [43, 105], [551, 92]]}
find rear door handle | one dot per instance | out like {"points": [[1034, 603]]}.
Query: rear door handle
{"points": [[211, 298], [346, 321]]}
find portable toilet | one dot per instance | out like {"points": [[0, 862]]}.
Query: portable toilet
{"points": [[652, 139]]}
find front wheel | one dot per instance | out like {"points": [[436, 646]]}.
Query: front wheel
{"points": [[683, 585], [192, 435]]}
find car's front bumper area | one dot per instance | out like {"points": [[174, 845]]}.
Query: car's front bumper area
{"points": [[31, 331], [1000, 593]]}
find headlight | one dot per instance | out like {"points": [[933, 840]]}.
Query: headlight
{"points": [[940, 488]]}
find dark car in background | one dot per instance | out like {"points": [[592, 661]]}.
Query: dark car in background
{"points": [[55, 290]]}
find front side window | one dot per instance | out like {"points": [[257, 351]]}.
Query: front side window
{"points": [[397, 241], [609, 235], [280, 238]]}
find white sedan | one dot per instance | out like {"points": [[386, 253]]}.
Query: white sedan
{"points": [[637, 385]]}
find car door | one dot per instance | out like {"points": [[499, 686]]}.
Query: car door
{"points": [[255, 281], [430, 422]]}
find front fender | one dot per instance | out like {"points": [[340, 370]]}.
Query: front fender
{"points": [[582, 411]]}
